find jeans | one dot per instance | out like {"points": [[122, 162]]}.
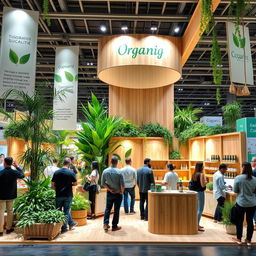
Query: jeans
{"points": [[116, 200], [64, 204], [131, 192], [143, 211], [201, 198], [218, 214], [249, 220], [8, 206], [92, 198]]}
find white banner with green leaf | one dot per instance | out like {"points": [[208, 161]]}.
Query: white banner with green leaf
{"points": [[65, 88], [18, 50], [240, 58]]}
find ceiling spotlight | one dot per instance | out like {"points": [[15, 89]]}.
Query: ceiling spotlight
{"points": [[219, 66], [177, 30], [91, 63], [153, 28], [124, 27], [103, 28]]}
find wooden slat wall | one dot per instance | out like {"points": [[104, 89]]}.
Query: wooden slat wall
{"points": [[143, 105]]}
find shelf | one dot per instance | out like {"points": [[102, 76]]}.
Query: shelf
{"points": [[178, 160], [212, 162], [230, 163], [181, 170]]}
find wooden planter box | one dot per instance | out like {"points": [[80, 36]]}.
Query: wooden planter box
{"points": [[42, 230], [79, 217]]}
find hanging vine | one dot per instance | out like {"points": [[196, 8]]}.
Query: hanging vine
{"points": [[218, 96], [206, 16], [46, 12]]}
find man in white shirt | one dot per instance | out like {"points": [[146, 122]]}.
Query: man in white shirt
{"points": [[171, 178], [51, 169], [2, 156], [219, 190], [130, 179]]}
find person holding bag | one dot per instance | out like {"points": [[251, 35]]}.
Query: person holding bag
{"points": [[92, 187], [198, 184], [245, 187]]}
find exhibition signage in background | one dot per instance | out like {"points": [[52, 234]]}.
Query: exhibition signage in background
{"points": [[238, 44], [65, 88], [248, 125], [18, 50], [211, 120]]}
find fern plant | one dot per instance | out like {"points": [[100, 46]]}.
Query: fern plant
{"points": [[226, 211], [232, 112]]}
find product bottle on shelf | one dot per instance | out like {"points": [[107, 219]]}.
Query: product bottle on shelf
{"points": [[152, 187], [180, 186]]}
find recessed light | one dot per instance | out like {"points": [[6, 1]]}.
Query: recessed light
{"points": [[177, 30], [91, 63], [124, 27], [153, 28], [103, 28]]}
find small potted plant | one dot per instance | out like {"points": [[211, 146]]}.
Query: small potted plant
{"points": [[209, 186], [79, 208], [226, 212]]}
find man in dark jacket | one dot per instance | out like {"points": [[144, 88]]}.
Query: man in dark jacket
{"points": [[145, 178], [62, 182], [8, 192]]}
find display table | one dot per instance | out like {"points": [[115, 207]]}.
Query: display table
{"points": [[172, 212]]}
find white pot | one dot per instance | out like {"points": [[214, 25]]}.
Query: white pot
{"points": [[231, 229]]}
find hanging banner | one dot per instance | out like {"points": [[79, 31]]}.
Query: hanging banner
{"points": [[65, 88], [238, 43], [18, 50]]}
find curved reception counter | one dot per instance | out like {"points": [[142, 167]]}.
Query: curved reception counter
{"points": [[172, 212]]}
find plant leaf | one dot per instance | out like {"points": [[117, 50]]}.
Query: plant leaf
{"points": [[24, 59], [235, 40], [128, 153], [57, 78], [69, 76], [242, 42], [117, 156], [13, 56], [76, 77]]}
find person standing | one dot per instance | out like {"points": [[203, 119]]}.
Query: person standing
{"points": [[62, 182], [73, 163], [93, 178], [130, 180], [8, 192], [253, 164], [219, 191], [113, 181], [198, 184], [51, 169], [171, 178], [245, 187], [2, 157], [145, 178]]}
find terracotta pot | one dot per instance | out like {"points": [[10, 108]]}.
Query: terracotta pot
{"points": [[79, 217], [42, 230], [231, 229]]}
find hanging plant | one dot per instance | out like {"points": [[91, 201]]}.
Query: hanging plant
{"points": [[46, 12], [218, 96], [215, 59], [206, 16]]}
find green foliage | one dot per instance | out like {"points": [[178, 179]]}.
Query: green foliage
{"points": [[46, 12], [200, 129], [218, 96], [33, 128], [232, 112], [156, 130], [215, 59], [127, 129], [79, 203], [184, 118], [94, 140], [175, 155], [209, 186], [226, 211], [206, 15]]}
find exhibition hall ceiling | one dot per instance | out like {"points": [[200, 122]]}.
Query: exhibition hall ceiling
{"points": [[83, 22]]}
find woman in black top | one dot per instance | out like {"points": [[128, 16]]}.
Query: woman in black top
{"points": [[198, 184]]}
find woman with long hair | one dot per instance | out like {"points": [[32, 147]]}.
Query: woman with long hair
{"points": [[198, 184], [93, 178], [245, 187]]}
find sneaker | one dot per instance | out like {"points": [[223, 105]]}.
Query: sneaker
{"points": [[64, 231], [116, 228], [1, 233], [249, 243], [71, 226], [236, 240], [133, 212], [106, 227], [8, 231], [146, 219], [142, 218]]}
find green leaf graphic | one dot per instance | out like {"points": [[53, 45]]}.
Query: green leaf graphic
{"points": [[57, 78], [13, 56], [235, 40], [76, 77], [24, 59], [242, 42], [69, 76]]}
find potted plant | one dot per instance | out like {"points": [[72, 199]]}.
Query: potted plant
{"points": [[226, 211], [79, 208], [36, 213], [209, 186]]}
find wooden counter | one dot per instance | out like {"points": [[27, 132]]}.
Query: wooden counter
{"points": [[172, 212]]}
